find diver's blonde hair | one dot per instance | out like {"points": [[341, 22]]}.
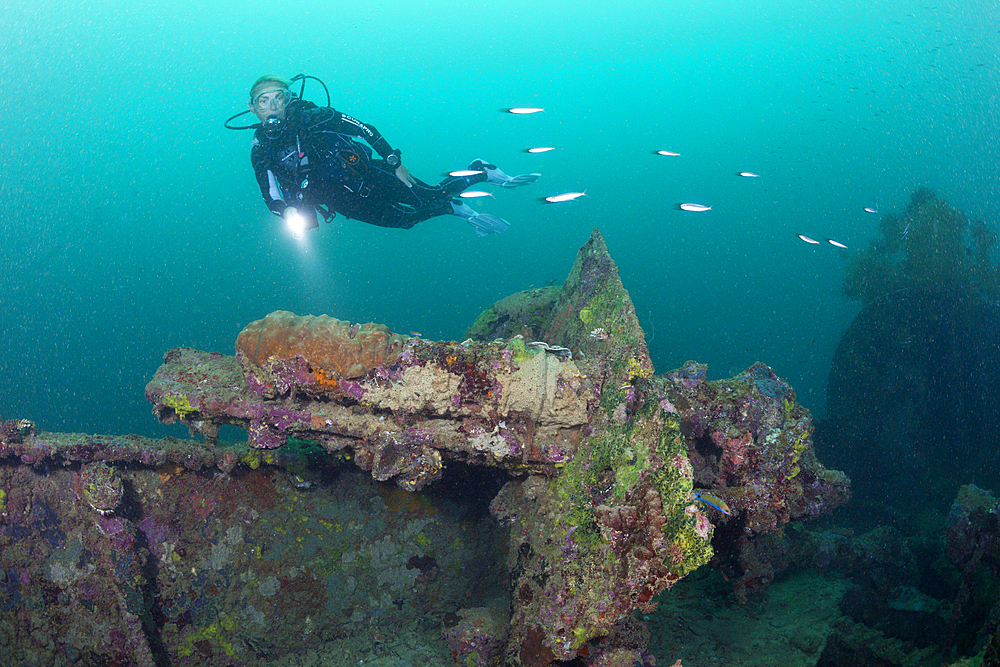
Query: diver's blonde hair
{"points": [[268, 78]]}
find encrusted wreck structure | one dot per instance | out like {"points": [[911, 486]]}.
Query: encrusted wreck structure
{"points": [[607, 484]]}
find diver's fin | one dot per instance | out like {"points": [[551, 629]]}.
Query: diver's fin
{"points": [[522, 179], [494, 176], [486, 224], [461, 209]]}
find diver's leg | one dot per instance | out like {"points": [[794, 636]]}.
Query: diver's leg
{"points": [[385, 201], [435, 202], [453, 185]]}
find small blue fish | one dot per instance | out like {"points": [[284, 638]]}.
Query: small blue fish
{"points": [[714, 501], [416, 334], [905, 231]]}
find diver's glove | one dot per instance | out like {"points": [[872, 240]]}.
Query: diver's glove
{"points": [[403, 174]]}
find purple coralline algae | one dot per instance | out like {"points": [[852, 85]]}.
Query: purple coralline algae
{"points": [[750, 444]]}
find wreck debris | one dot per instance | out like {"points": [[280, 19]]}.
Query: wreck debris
{"points": [[603, 462]]}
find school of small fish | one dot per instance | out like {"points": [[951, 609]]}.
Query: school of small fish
{"points": [[692, 207]]}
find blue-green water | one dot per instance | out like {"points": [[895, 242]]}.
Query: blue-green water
{"points": [[132, 222]]}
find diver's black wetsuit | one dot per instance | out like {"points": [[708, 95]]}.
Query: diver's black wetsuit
{"points": [[316, 160]]}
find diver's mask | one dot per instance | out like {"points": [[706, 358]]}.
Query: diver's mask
{"points": [[273, 127], [272, 99], [272, 102]]}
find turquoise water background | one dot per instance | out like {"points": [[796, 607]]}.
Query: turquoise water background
{"points": [[132, 222]]}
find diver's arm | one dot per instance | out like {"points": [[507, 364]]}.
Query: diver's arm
{"points": [[356, 128], [268, 184], [273, 199], [378, 143]]}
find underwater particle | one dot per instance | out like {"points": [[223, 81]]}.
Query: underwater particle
{"points": [[101, 486]]}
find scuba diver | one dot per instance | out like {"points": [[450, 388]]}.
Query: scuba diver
{"points": [[308, 161]]}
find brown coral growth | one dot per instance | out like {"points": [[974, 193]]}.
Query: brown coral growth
{"points": [[534, 653], [339, 348]]}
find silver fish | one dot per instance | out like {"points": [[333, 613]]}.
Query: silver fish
{"points": [[694, 207], [566, 196], [472, 194], [836, 243], [523, 110], [668, 153], [806, 238], [465, 172], [539, 149], [748, 174]]}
